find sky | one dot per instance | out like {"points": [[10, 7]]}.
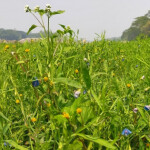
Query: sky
{"points": [[89, 16]]}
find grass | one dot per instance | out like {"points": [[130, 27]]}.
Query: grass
{"points": [[109, 87]]}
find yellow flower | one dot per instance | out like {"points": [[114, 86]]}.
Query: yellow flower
{"points": [[20, 95], [128, 85], [48, 104], [33, 119], [51, 83], [27, 50], [45, 79], [17, 101], [79, 110], [76, 71], [14, 46], [6, 47], [66, 115]]}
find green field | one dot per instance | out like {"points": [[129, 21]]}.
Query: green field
{"points": [[83, 98]]}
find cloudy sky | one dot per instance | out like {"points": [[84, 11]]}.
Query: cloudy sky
{"points": [[89, 16]]}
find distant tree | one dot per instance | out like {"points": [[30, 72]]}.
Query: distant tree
{"points": [[141, 25]]}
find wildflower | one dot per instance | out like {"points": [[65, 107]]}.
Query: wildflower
{"points": [[122, 59], [76, 71], [142, 77], [135, 110], [45, 79], [66, 115], [48, 7], [48, 104], [147, 144], [77, 93], [12, 53], [17, 101], [128, 85], [20, 95], [26, 8], [147, 107], [36, 9], [85, 59], [27, 50], [136, 66], [33, 119], [5, 144], [6, 47], [84, 41], [51, 83], [14, 46], [79, 110], [35, 83], [126, 132], [84, 92]]}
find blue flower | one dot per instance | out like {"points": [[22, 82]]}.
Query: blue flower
{"points": [[5, 144], [136, 66], [35, 83], [147, 107], [122, 59], [126, 132], [84, 92]]}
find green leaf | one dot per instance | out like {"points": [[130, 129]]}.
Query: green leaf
{"points": [[20, 62], [86, 77], [63, 26], [96, 140], [31, 28], [41, 12], [57, 12], [14, 144], [3, 116], [68, 82]]}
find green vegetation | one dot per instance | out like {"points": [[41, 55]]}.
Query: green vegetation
{"points": [[65, 94], [141, 26], [45, 116]]}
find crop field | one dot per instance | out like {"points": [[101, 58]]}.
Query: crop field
{"points": [[93, 95], [61, 93]]}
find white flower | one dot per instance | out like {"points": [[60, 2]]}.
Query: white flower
{"points": [[143, 77], [12, 53], [26, 8], [77, 93], [48, 5], [135, 110], [85, 59]]}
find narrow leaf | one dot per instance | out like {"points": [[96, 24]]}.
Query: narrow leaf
{"points": [[31, 28]]}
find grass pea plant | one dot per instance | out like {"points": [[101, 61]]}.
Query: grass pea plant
{"points": [[61, 94]]}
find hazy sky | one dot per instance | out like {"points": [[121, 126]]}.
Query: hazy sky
{"points": [[89, 16]]}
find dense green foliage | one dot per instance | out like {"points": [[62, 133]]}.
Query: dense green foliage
{"points": [[141, 25], [108, 75], [16, 35]]}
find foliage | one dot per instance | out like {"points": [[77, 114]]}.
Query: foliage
{"points": [[139, 26]]}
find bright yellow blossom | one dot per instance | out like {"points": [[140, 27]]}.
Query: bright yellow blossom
{"points": [[27, 50], [6, 47], [128, 85], [66, 115], [45, 79], [17, 101], [76, 71], [20, 95], [79, 110], [33, 119]]}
